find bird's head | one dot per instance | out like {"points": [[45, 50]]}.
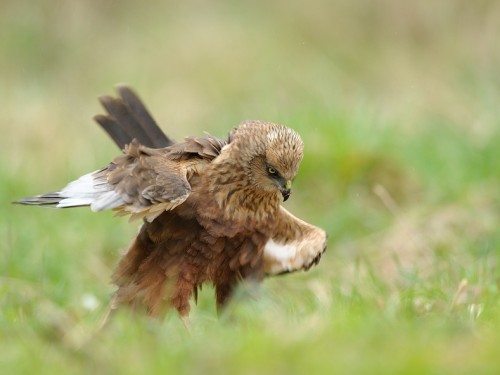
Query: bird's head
{"points": [[273, 154]]}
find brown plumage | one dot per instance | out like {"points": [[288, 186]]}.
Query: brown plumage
{"points": [[211, 208]]}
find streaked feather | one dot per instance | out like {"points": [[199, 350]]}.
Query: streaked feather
{"points": [[210, 212]]}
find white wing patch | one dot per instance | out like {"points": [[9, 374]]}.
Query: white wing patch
{"points": [[91, 191], [292, 256]]}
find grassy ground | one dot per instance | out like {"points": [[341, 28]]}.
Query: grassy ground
{"points": [[397, 103]]}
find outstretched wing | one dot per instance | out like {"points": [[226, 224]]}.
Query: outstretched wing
{"points": [[295, 245], [143, 182]]}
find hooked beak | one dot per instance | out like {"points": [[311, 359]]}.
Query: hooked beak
{"points": [[286, 190]]}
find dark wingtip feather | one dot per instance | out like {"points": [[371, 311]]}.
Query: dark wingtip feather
{"points": [[113, 129], [49, 199], [143, 116], [128, 119]]}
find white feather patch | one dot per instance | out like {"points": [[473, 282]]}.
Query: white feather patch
{"points": [[74, 202], [89, 191], [279, 257], [106, 200], [85, 185], [293, 255]]}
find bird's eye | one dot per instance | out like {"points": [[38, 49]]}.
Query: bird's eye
{"points": [[271, 170]]}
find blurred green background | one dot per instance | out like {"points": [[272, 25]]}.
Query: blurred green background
{"points": [[398, 106]]}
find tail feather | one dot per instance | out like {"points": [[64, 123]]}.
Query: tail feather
{"points": [[128, 118]]}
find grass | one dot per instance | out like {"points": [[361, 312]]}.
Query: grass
{"points": [[397, 104]]}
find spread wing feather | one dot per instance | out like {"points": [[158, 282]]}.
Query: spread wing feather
{"points": [[128, 119], [143, 182], [295, 245], [150, 177]]}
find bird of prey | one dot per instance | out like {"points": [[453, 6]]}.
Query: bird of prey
{"points": [[211, 208]]}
